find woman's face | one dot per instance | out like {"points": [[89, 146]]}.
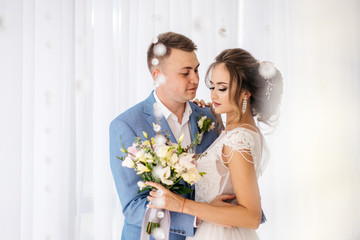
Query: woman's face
{"points": [[219, 86]]}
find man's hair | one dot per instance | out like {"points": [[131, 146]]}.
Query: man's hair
{"points": [[169, 40]]}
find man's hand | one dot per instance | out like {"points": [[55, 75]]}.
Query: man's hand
{"points": [[221, 200]]}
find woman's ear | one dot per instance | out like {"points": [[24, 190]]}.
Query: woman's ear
{"points": [[245, 94]]}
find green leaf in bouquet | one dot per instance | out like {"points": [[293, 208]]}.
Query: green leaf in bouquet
{"points": [[202, 173], [151, 226], [147, 177], [144, 189], [182, 190]]}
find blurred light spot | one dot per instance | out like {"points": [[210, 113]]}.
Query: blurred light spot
{"points": [[157, 111], [160, 79], [155, 40], [160, 139], [156, 18], [267, 70], [154, 61], [198, 23], [47, 98], [2, 25], [159, 50], [158, 233], [222, 32], [48, 16]]}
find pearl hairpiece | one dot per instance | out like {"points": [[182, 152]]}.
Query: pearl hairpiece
{"points": [[267, 71]]}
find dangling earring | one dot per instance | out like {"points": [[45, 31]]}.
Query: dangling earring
{"points": [[244, 105]]}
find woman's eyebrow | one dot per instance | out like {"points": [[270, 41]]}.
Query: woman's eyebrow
{"points": [[219, 83]]}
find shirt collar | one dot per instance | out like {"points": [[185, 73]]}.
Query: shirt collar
{"points": [[167, 113]]}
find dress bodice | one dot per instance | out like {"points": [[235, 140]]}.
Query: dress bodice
{"points": [[217, 180]]}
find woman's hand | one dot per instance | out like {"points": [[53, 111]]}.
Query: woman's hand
{"points": [[201, 103], [164, 198]]}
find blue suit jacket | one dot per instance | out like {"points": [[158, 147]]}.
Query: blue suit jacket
{"points": [[127, 126]]}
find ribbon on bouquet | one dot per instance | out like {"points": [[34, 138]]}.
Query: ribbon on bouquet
{"points": [[161, 219]]}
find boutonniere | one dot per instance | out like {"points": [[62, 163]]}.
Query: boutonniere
{"points": [[205, 125]]}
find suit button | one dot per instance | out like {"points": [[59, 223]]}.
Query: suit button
{"points": [[183, 232]]}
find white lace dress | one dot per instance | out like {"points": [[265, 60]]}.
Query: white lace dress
{"points": [[217, 179]]}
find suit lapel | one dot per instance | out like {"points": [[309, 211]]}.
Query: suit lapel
{"points": [[149, 109], [194, 117]]}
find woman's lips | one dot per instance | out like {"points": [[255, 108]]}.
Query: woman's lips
{"points": [[216, 104]]}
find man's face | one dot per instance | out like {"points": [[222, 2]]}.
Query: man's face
{"points": [[181, 72]]}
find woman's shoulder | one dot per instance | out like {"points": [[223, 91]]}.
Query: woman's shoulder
{"points": [[241, 137]]}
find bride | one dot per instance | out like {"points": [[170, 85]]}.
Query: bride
{"points": [[243, 89]]}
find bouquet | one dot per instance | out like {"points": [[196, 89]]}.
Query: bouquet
{"points": [[159, 160]]}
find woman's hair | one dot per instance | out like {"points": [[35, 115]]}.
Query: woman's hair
{"points": [[263, 82], [169, 40]]}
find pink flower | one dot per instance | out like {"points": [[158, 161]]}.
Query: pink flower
{"points": [[132, 149]]}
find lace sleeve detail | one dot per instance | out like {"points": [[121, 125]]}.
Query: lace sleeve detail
{"points": [[241, 141]]}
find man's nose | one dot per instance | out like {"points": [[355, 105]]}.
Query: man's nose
{"points": [[194, 78]]}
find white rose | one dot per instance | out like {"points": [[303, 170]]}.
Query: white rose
{"points": [[128, 162], [163, 174], [162, 151], [186, 160], [178, 168], [141, 168], [149, 158], [173, 160], [201, 122], [167, 181], [140, 154], [141, 184], [191, 176], [212, 126]]}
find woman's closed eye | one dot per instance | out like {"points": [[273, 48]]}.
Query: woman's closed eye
{"points": [[220, 89]]}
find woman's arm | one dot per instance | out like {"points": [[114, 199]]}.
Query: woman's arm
{"points": [[246, 214]]}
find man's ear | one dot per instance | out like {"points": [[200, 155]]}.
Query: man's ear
{"points": [[155, 73]]}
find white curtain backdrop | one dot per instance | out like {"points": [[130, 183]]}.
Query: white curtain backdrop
{"points": [[68, 67]]}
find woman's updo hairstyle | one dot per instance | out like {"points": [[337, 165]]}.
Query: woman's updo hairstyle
{"points": [[261, 79]]}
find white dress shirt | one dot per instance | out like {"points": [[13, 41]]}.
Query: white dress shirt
{"points": [[177, 128], [172, 120]]}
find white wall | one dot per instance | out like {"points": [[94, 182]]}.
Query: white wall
{"points": [[68, 67]]}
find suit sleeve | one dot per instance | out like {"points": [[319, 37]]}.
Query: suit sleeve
{"points": [[134, 204]]}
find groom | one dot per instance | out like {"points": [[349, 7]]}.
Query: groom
{"points": [[179, 67]]}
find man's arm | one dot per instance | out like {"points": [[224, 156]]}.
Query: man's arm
{"points": [[133, 204]]}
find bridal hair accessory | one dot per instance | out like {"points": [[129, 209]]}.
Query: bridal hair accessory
{"points": [[244, 104], [267, 71]]}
